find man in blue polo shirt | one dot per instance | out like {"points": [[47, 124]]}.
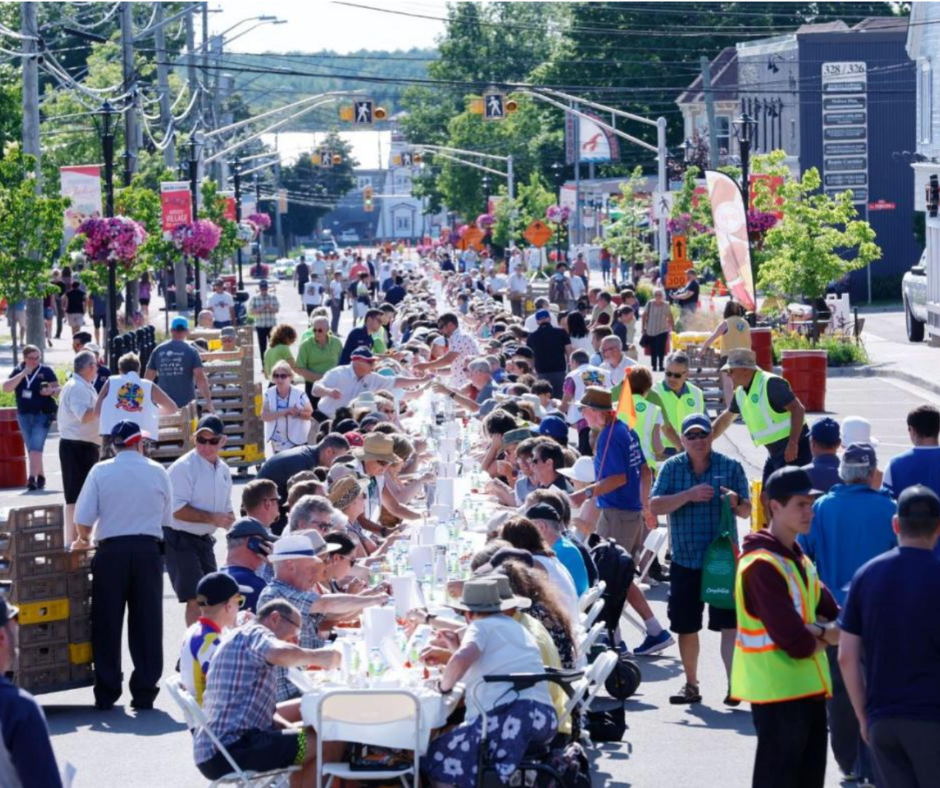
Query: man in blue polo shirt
{"points": [[549, 524], [891, 617], [28, 758], [920, 465]]}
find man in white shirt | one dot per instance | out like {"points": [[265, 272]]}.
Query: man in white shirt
{"points": [[341, 385], [578, 289], [202, 503], [337, 293], [318, 266], [531, 324], [79, 443], [222, 305], [615, 362], [518, 286], [462, 349], [313, 293]]}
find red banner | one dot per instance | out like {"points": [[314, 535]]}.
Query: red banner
{"points": [[176, 203], [229, 198]]}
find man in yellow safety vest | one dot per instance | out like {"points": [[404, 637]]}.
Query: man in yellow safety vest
{"points": [[784, 616], [774, 416], [679, 399]]}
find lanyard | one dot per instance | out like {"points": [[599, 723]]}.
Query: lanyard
{"points": [[29, 380]]}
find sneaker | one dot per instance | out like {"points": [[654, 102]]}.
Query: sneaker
{"points": [[41, 482], [653, 645], [31, 484], [688, 694]]}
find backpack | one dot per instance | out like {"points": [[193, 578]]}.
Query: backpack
{"points": [[556, 290], [615, 566], [607, 724]]}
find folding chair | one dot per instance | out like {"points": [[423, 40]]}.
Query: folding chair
{"points": [[589, 638], [588, 687], [651, 547], [196, 719], [590, 596], [378, 714], [588, 619]]}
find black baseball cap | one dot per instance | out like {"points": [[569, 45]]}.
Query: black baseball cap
{"points": [[218, 587], [543, 511], [8, 611], [127, 433], [919, 502], [82, 336], [211, 423], [249, 526], [787, 482], [505, 554]]}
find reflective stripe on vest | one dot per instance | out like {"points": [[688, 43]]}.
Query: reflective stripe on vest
{"points": [[764, 423], [646, 413], [677, 408], [761, 671]]}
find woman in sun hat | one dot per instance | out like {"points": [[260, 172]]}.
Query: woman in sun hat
{"points": [[493, 643]]}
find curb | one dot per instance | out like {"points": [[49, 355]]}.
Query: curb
{"points": [[869, 371]]}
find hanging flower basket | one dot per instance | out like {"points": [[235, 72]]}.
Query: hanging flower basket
{"points": [[485, 221], [261, 222], [462, 230], [197, 239], [247, 231], [558, 214], [117, 238]]}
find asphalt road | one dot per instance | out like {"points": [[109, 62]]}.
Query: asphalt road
{"points": [[702, 745]]}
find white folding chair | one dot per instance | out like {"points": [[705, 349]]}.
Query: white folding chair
{"points": [[588, 619], [299, 679], [196, 719], [589, 638], [655, 539], [588, 687], [590, 596], [377, 715]]}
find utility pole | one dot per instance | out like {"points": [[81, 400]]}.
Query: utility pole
{"points": [[576, 128], [130, 132], [260, 230], [30, 30], [278, 229], [236, 167], [204, 100], [163, 87], [709, 114], [662, 181], [180, 269], [191, 53], [510, 178]]}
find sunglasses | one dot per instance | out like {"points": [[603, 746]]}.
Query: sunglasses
{"points": [[696, 436], [289, 620], [209, 441], [241, 600], [280, 376], [32, 358], [320, 523], [319, 331], [675, 374]]}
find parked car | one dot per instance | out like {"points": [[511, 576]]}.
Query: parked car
{"points": [[349, 237], [328, 245], [284, 268], [914, 293]]}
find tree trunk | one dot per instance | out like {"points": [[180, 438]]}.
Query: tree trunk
{"points": [[35, 330]]}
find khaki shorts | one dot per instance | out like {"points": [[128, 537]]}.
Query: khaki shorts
{"points": [[624, 526], [75, 319]]}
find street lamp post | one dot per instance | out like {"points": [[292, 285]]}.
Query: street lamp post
{"points": [[194, 192], [260, 229], [558, 177], [237, 176], [107, 149], [745, 129]]}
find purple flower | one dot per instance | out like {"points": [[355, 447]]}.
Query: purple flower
{"points": [[558, 214], [198, 239], [116, 238], [760, 221], [485, 221], [261, 220]]}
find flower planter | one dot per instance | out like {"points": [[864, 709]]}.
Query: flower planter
{"points": [[762, 345], [806, 372], [12, 451]]}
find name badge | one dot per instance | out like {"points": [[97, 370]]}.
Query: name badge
{"points": [[27, 394]]}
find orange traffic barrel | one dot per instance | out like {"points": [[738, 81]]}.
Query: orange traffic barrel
{"points": [[762, 345], [806, 372], [12, 451]]}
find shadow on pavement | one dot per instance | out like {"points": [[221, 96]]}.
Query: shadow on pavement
{"points": [[659, 668], [722, 719], [615, 751], [68, 718]]}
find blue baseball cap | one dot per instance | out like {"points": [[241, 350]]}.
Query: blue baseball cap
{"points": [[179, 324], [543, 314], [554, 427], [127, 433], [696, 421], [860, 455], [263, 284], [362, 354], [826, 431]]}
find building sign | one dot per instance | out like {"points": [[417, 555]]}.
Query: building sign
{"points": [[594, 142], [845, 129]]}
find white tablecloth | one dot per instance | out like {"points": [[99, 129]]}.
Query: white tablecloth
{"points": [[435, 709]]}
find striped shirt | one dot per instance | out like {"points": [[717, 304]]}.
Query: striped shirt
{"points": [[309, 629], [657, 318], [264, 310], [240, 689]]}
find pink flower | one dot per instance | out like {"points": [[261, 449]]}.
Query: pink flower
{"points": [[261, 220], [485, 221], [116, 238], [558, 214], [198, 239]]}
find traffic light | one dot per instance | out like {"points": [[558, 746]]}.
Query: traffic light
{"points": [[494, 106], [511, 106], [316, 158], [380, 113], [933, 196], [417, 158], [336, 159], [367, 203]]}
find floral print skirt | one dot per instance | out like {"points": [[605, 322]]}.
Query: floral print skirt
{"points": [[454, 757]]}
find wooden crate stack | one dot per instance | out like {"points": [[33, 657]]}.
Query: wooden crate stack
{"points": [[703, 372], [176, 435], [52, 588], [237, 401]]}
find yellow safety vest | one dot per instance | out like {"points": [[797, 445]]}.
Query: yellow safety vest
{"points": [[762, 672], [765, 424], [646, 417], [677, 408]]}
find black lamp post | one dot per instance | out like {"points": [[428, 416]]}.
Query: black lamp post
{"points": [[194, 193], [237, 167], [558, 177], [260, 229], [745, 131], [107, 148], [486, 193]]}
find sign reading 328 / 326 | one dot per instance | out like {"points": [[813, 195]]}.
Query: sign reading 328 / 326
{"points": [[845, 128]]}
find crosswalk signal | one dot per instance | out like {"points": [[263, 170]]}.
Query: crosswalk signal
{"points": [[367, 203], [317, 159], [494, 106], [363, 112], [380, 113]]}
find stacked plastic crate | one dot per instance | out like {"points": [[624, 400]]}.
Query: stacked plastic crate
{"points": [[52, 588]]}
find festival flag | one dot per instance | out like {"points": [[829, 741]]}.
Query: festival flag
{"points": [[626, 409], [730, 221]]}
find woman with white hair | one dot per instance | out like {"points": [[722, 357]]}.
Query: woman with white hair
{"points": [[657, 325], [286, 412]]}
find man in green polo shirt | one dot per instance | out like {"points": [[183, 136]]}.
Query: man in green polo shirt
{"points": [[319, 353]]}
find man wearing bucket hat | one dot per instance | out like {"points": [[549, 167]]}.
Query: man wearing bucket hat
{"points": [[26, 755], [372, 460], [775, 418]]}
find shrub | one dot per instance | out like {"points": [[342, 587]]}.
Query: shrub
{"points": [[841, 352], [644, 293]]}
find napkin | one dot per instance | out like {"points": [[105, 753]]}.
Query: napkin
{"points": [[378, 623], [403, 591], [420, 558]]}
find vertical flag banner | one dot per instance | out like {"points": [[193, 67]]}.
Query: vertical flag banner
{"points": [[734, 250], [597, 144], [176, 203], [82, 185], [626, 408], [229, 197]]}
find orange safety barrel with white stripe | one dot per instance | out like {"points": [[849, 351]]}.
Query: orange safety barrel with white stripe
{"points": [[762, 672]]}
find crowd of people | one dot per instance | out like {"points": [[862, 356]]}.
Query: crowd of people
{"points": [[828, 627]]}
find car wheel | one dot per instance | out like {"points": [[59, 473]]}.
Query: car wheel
{"points": [[915, 327]]}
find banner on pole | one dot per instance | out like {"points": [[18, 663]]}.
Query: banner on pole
{"points": [[282, 201], [229, 197], [596, 143], [730, 220], [82, 185], [176, 204]]}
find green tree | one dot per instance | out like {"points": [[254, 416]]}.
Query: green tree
{"points": [[213, 208], [819, 240], [626, 236], [30, 231], [314, 190]]}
